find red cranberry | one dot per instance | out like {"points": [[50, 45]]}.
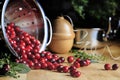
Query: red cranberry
{"points": [[35, 61], [72, 68], [42, 54], [52, 60], [115, 66], [42, 60], [56, 64], [87, 62], [4, 69], [65, 69], [60, 68], [61, 59], [37, 66], [70, 59], [78, 59], [11, 24], [76, 74], [6, 66], [107, 66], [76, 64], [48, 56], [83, 63], [37, 56], [44, 65], [51, 67], [72, 72], [31, 64], [24, 57], [55, 56]]}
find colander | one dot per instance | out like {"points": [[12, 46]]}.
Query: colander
{"points": [[30, 17]]}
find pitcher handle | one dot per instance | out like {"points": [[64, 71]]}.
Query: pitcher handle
{"points": [[50, 27], [69, 19]]}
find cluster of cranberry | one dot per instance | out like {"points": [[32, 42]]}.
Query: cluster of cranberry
{"points": [[107, 66], [28, 48]]}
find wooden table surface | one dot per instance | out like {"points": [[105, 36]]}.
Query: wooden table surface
{"points": [[95, 71]]}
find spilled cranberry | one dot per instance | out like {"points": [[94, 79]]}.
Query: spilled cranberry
{"points": [[115, 66], [70, 59], [107, 66]]}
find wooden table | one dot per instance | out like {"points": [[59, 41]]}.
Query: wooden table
{"points": [[94, 71]]}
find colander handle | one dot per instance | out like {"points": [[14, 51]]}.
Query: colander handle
{"points": [[50, 27]]}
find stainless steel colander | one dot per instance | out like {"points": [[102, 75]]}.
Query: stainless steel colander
{"points": [[30, 17]]}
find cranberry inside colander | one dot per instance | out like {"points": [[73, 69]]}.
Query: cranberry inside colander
{"points": [[24, 18]]}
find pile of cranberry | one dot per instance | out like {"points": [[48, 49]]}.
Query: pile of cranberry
{"points": [[27, 47]]}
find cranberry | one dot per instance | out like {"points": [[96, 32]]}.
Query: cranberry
{"points": [[76, 64], [42, 54], [4, 69], [59, 61], [65, 69], [37, 56], [76, 74], [24, 61], [107, 66], [48, 55], [31, 64], [11, 24], [72, 68], [52, 60], [72, 72], [51, 67], [83, 63], [115, 66], [37, 66], [78, 59], [6, 66], [37, 42], [24, 57], [48, 63], [31, 57], [42, 60], [44, 65], [55, 56], [62, 59], [70, 59], [28, 48], [35, 61], [60, 68], [87, 62], [56, 64], [21, 42]]}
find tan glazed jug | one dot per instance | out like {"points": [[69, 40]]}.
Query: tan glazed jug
{"points": [[63, 35]]}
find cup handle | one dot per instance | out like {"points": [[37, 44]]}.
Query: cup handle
{"points": [[50, 27], [86, 34]]}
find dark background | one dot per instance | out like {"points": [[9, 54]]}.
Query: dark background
{"points": [[54, 8]]}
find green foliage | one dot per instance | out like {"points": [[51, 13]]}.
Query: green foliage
{"points": [[15, 68], [83, 55], [99, 9], [79, 6]]}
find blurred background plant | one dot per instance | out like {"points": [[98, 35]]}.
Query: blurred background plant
{"points": [[98, 10]]}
